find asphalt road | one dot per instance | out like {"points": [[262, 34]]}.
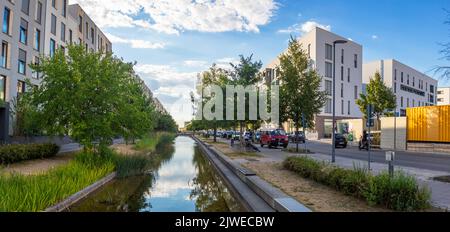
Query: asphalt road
{"points": [[435, 162]]}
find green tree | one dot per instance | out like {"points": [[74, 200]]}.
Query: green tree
{"points": [[90, 96], [300, 95], [380, 96], [245, 73]]}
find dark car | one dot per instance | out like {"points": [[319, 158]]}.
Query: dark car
{"points": [[293, 137], [340, 141]]}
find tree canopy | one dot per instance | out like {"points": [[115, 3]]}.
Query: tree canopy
{"points": [[91, 96], [379, 95]]}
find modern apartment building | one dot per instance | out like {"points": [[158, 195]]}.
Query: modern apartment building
{"points": [[443, 96], [348, 83], [411, 87], [30, 29]]}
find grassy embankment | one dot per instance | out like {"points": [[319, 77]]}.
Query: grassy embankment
{"points": [[19, 193], [400, 193]]}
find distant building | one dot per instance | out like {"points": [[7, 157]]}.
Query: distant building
{"points": [[443, 96], [319, 45], [411, 87]]}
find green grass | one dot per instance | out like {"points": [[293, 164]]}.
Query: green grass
{"points": [[150, 142], [401, 192], [19, 193]]}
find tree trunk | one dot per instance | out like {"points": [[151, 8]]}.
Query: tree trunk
{"points": [[296, 135]]}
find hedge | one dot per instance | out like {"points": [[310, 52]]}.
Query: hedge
{"points": [[401, 192], [19, 152]]}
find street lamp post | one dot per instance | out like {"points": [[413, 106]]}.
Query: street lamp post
{"points": [[333, 152]]}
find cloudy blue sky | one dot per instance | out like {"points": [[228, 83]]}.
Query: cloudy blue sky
{"points": [[173, 40]]}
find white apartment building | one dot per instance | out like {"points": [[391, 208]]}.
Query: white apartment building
{"points": [[411, 87], [443, 96], [348, 66], [32, 28]]}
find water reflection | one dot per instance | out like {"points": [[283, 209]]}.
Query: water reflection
{"points": [[181, 180]]}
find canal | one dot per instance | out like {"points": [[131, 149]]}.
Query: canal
{"points": [[181, 179]]}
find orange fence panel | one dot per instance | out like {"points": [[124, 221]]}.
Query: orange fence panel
{"points": [[429, 124]]}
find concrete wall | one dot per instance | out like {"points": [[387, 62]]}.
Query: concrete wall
{"points": [[391, 128]]}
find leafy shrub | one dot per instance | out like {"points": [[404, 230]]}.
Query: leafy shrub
{"points": [[401, 192], [19, 152]]}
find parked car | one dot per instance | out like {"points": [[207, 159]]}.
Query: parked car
{"points": [[274, 138], [300, 136], [258, 137], [219, 134], [237, 135], [340, 141]]}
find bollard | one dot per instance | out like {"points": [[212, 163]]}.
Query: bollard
{"points": [[390, 157]]}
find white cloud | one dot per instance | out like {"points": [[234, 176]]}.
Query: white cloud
{"points": [[195, 63], [304, 28], [175, 16], [374, 36], [135, 43]]}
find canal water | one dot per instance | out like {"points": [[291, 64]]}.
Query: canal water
{"points": [[181, 179]]}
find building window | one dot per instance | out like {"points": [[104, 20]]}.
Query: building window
{"points": [[401, 77], [309, 50], [328, 52], [328, 69], [342, 107], [342, 56], [63, 32], [6, 21], [26, 6], [395, 87], [92, 35], [80, 24], [342, 73], [348, 108], [52, 47], [348, 75], [20, 88], [395, 75], [87, 30], [22, 67], [64, 11], [401, 101], [356, 92], [328, 106], [34, 74], [63, 49], [431, 88], [70, 36], [414, 81], [54, 3], [23, 31], [2, 88], [407, 79], [39, 13], [407, 102], [37, 40], [342, 90], [328, 87], [413, 103], [4, 55], [53, 26]]}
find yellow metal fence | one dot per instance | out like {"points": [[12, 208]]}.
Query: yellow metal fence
{"points": [[429, 124]]}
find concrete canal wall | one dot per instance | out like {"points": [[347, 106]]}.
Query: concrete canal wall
{"points": [[254, 193]]}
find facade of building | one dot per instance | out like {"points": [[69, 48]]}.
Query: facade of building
{"points": [[34, 28], [411, 87], [443, 96], [348, 66]]}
